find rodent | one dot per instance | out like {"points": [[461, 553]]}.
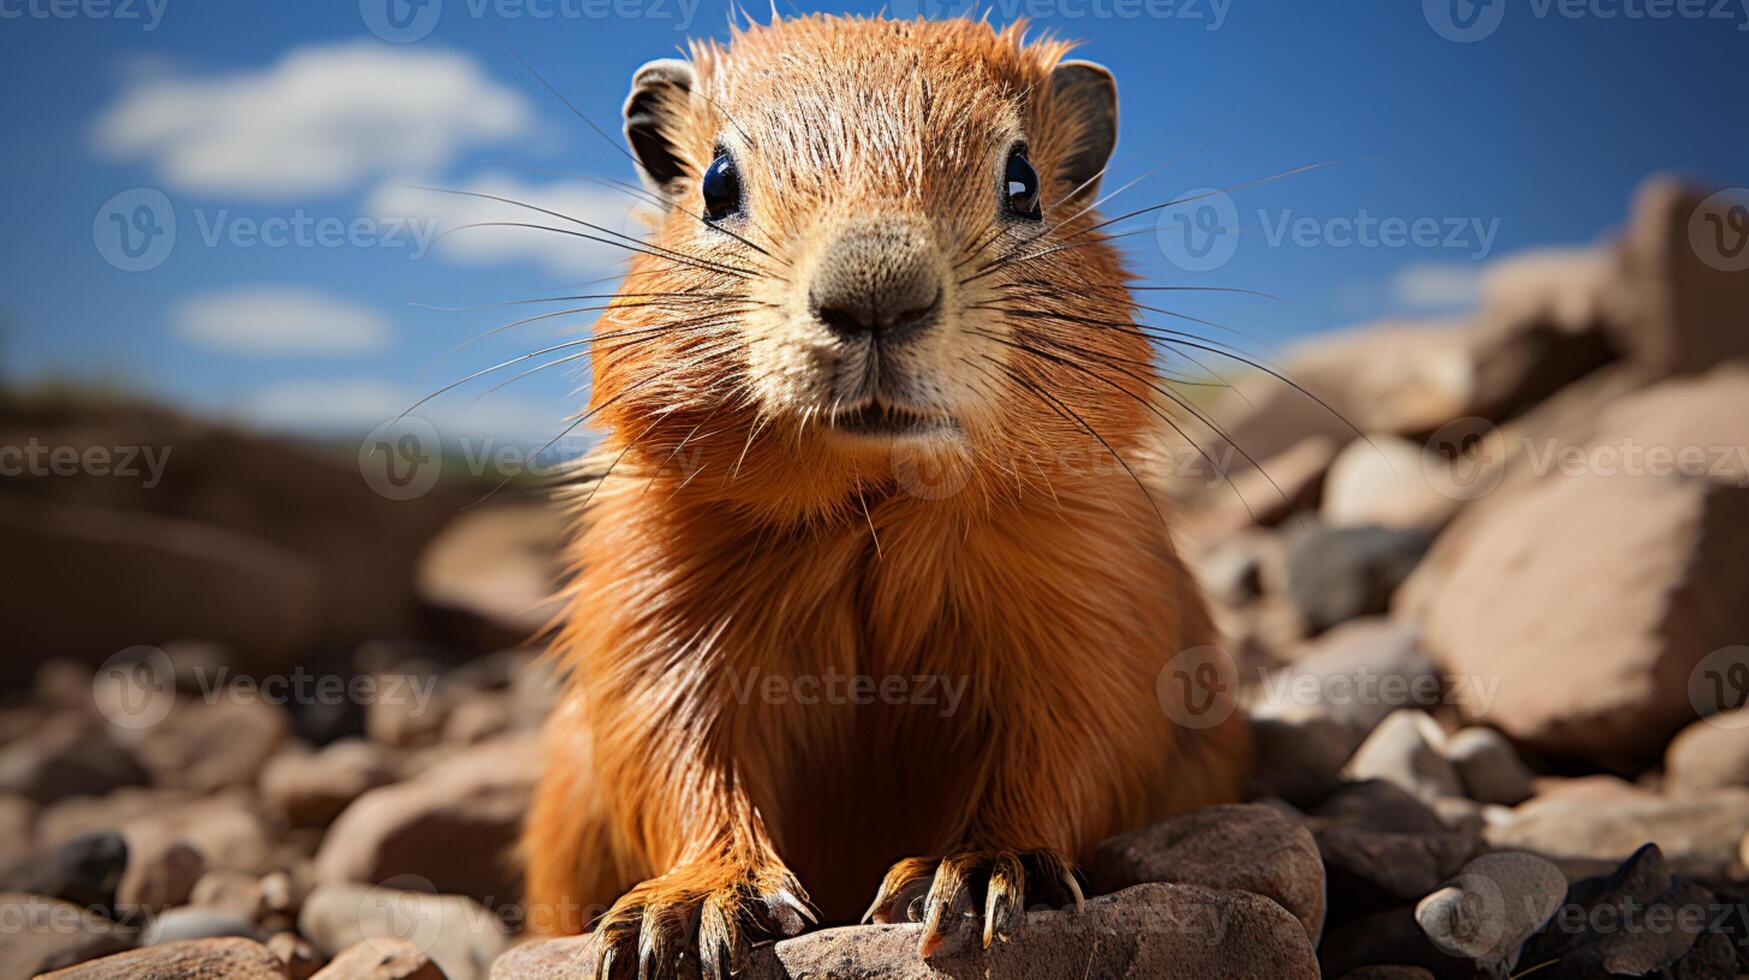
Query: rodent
{"points": [[877, 262]]}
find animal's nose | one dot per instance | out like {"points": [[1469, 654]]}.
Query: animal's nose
{"points": [[877, 279]]}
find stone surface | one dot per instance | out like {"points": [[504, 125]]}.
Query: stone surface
{"points": [[497, 565], [1490, 767], [1338, 574], [1709, 754], [1655, 564], [1383, 847], [1702, 831], [194, 922], [301, 959], [311, 789], [382, 959], [160, 877], [1623, 923], [195, 959], [1387, 937], [1493, 905], [84, 871], [39, 934], [1385, 482], [452, 826], [70, 755], [458, 934], [205, 746], [1156, 930], [1243, 847], [227, 832], [1406, 750]]}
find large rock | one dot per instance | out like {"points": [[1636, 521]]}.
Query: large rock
{"points": [[1490, 767], [311, 789], [1387, 481], [70, 755], [1156, 930], [453, 825], [1244, 847], [1652, 571], [1383, 847], [195, 959], [456, 933], [1680, 288], [500, 566], [1701, 832], [214, 744], [39, 934], [1710, 754], [1407, 750], [1635, 921]]}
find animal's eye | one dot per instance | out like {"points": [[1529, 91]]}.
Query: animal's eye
{"points": [[1021, 186], [722, 188]]}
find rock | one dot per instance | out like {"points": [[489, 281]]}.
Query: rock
{"points": [[1709, 754], [1680, 296], [1489, 766], [1287, 483], [1406, 750], [453, 826], [458, 934], [415, 715], [1384, 482], [252, 595], [1154, 930], [381, 959], [39, 934], [70, 755], [1338, 574], [1544, 323], [78, 815], [1701, 415], [193, 922], [1701, 831], [1232, 574], [1388, 936], [1460, 813], [17, 828], [500, 566], [479, 717], [1382, 847], [84, 871], [1656, 564], [1496, 903], [160, 877], [1392, 972], [1243, 847], [194, 959], [312, 789], [236, 893], [1628, 922], [301, 959], [1299, 756], [1598, 790], [214, 745]]}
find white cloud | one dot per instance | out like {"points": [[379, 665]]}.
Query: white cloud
{"points": [[1437, 285], [354, 406], [279, 320], [562, 254], [322, 119]]}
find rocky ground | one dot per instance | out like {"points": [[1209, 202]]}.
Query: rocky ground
{"points": [[1494, 652]]}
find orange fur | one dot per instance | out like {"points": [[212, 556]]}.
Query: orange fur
{"points": [[735, 537]]}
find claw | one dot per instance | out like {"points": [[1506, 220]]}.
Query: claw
{"points": [[908, 875], [1074, 886], [790, 915], [949, 900], [1005, 897]]}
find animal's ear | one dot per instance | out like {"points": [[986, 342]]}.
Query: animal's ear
{"points": [[653, 113], [1086, 100]]}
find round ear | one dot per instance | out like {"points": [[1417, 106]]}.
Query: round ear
{"points": [[653, 112], [1086, 100]]}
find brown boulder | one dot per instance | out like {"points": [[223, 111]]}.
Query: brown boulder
{"points": [[1241, 847], [70, 755], [1651, 573], [1710, 754], [38, 934], [381, 959], [193, 959], [209, 745], [312, 788]]}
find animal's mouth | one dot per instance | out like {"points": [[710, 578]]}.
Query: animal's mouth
{"points": [[877, 418]]}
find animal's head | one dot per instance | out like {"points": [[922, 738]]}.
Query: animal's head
{"points": [[876, 265]]}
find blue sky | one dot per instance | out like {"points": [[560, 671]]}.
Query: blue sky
{"points": [[291, 120]]}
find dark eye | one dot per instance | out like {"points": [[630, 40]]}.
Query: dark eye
{"points": [[722, 188], [1021, 186]]}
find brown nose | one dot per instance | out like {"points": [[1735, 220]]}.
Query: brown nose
{"points": [[877, 279]]}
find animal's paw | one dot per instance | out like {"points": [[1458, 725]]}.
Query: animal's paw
{"points": [[946, 894], [698, 920]]}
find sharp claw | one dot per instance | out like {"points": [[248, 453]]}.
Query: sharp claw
{"points": [[1074, 887], [604, 959], [1006, 894], [786, 912]]}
